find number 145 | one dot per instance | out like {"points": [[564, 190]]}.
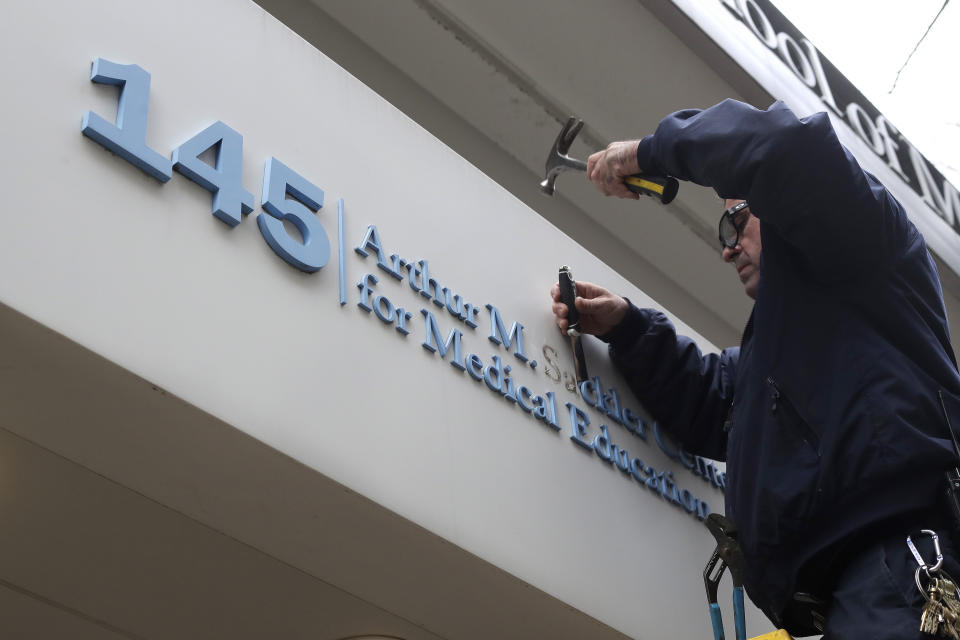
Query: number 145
{"points": [[127, 139]]}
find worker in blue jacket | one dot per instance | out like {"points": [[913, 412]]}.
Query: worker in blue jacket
{"points": [[828, 412]]}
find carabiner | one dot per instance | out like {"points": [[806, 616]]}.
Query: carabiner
{"points": [[936, 549]]}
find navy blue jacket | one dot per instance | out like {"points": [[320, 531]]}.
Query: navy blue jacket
{"points": [[833, 421]]}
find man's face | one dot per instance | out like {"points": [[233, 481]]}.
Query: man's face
{"points": [[745, 257]]}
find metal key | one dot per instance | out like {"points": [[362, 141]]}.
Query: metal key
{"points": [[950, 614], [941, 613], [931, 617], [948, 629], [942, 610], [947, 591]]}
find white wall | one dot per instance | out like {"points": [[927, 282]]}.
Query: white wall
{"points": [[142, 274]]}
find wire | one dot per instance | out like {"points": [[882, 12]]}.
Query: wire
{"points": [[917, 46]]}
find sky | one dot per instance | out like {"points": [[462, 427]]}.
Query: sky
{"points": [[869, 41]]}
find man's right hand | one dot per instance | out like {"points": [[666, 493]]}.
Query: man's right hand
{"points": [[608, 168], [600, 311]]}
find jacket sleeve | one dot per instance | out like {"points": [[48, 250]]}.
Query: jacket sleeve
{"points": [[688, 393], [795, 174]]}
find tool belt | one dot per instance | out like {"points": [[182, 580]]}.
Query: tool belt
{"points": [[804, 615]]}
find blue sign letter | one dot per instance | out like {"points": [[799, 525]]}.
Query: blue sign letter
{"points": [[127, 138], [499, 335], [278, 181], [230, 200]]}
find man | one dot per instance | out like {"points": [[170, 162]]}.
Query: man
{"points": [[828, 413]]}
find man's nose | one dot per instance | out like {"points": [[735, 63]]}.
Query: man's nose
{"points": [[728, 254]]}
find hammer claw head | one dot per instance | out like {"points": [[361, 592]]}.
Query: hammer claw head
{"points": [[569, 134], [558, 160]]}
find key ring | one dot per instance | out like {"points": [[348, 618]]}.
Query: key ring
{"points": [[923, 592]]}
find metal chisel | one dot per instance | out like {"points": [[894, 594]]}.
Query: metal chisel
{"points": [[568, 294]]}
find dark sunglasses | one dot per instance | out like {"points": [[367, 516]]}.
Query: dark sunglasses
{"points": [[729, 229]]}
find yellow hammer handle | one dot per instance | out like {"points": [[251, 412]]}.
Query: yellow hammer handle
{"points": [[664, 189], [779, 634]]}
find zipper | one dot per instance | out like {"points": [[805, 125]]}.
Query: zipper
{"points": [[807, 432], [746, 345], [728, 423]]}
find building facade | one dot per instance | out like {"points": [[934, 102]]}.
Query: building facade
{"points": [[277, 351]]}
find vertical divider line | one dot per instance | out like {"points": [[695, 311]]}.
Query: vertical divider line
{"points": [[342, 259]]}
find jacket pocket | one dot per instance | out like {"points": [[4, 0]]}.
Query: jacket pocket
{"points": [[786, 474], [791, 420]]}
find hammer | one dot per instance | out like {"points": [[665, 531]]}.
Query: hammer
{"points": [[558, 161]]}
